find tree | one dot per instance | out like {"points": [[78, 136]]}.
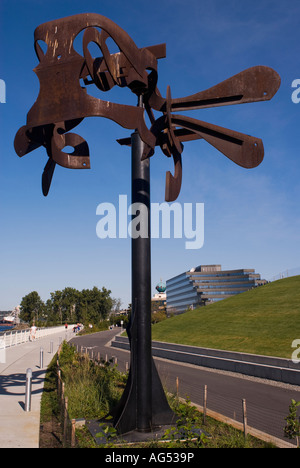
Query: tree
{"points": [[158, 316], [55, 307], [158, 311], [63, 305], [32, 308], [116, 306], [68, 305], [94, 305]]}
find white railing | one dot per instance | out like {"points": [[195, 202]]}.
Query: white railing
{"points": [[17, 337], [286, 274]]}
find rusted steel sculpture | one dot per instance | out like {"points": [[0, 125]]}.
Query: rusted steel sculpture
{"points": [[63, 103]]}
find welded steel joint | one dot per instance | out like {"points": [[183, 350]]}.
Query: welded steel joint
{"points": [[63, 101]]}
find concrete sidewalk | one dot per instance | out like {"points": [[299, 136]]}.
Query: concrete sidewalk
{"points": [[20, 429]]}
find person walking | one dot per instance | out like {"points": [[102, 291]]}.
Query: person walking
{"points": [[33, 330]]}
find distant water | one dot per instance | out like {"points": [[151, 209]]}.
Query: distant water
{"points": [[4, 329]]}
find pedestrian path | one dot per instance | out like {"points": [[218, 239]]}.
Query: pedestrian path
{"points": [[20, 429]]}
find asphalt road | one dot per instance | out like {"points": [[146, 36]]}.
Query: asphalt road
{"points": [[267, 402]]}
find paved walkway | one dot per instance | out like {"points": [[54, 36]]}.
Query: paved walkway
{"points": [[20, 429]]}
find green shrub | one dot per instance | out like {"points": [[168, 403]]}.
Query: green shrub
{"points": [[92, 389]]}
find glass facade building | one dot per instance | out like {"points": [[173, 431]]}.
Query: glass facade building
{"points": [[207, 284]]}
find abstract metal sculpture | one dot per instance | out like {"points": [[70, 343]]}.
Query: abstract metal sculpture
{"points": [[63, 103]]}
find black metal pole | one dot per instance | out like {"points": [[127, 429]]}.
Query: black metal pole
{"points": [[143, 406], [141, 282]]}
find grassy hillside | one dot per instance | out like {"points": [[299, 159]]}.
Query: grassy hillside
{"points": [[264, 321]]}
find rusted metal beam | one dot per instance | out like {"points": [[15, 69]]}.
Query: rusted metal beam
{"points": [[255, 84]]}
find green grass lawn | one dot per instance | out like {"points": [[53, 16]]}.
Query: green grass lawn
{"points": [[264, 321]]}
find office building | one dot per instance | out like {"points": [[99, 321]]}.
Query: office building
{"points": [[207, 284]]}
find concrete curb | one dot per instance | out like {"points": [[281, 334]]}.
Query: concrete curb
{"points": [[264, 367]]}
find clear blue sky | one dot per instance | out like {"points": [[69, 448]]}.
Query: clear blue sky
{"points": [[251, 216]]}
